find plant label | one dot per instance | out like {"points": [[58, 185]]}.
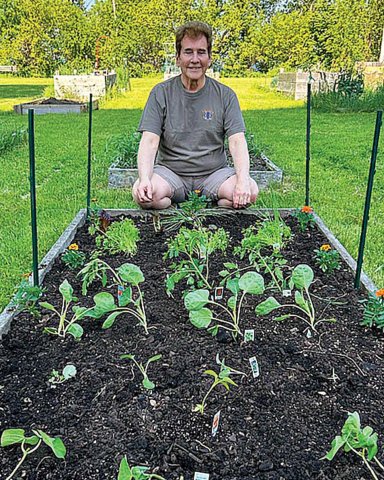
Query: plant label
{"points": [[249, 335], [287, 293], [255, 367], [219, 291], [120, 290], [215, 423], [201, 476]]}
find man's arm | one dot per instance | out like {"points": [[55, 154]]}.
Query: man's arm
{"points": [[149, 144], [239, 151]]}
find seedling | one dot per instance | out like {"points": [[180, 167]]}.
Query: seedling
{"points": [[129, 275], [305, 218], [201, 317], [135, 473], [222, 378], [147, 383], [66, 325], [195, 246], [26, 297], [120, 237], [73, 258], [327, 259], [361, 441], [69, 371], [302, 278], [374, 310], [30, 444]]}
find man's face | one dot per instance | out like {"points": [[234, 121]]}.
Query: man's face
{"points": [[194, 58]]}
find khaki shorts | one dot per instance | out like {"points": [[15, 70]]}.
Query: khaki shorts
{"points": [[181, 185]]}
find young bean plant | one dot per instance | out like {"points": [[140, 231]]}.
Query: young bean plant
{"points": [[201, 317], [374, 310], [327, 258], [147, 383], [360, 441], [135, 473], [301, 279], [195, 248], [28, 445], [221, 378], [69, 371]]}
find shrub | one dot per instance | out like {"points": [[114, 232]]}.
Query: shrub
{"points": [[122, 149]]}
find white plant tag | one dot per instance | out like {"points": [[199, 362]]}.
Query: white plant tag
{"points": [[255, 367], [219, 291], [287, 293], [201, 476], [309, 333], [215, 423], [249, 335]]}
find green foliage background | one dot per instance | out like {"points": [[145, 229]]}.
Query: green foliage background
{"points": [[42, 36]]}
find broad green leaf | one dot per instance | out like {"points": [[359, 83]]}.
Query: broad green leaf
{"points": [[33, 440], [127, 356], [148, 384], [252, 282], [130, 273], [302, 276], [79, 312], [104, 303], [223, 273], [12, 436], [47, 305], [230, 265], [232, 302], [69, 371], [336, 444], [280, 318], [196, 300], [126, 297], [110, 320], [56, 444], [66, 290], [125, 473], [75, 330], [213, 330], [212, 373], [154, 358], [267, 306], [138, 473], [233, 285], [200, 318], [301, 302]]}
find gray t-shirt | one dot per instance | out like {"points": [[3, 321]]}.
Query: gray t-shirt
{"points": [[192, 126]]}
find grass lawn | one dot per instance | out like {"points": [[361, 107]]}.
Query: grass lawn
{"points": [[341, 146]]}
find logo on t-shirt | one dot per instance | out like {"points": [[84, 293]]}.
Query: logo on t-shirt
{"points": [[207, 114]]}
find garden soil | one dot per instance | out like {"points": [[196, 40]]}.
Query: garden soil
{"points": [[276, 426]]}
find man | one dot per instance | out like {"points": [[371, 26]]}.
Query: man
{"points": [[184, 124]]}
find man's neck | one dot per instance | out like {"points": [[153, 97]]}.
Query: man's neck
{"points": [[192, 86]]}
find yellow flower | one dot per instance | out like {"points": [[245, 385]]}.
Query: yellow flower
{"points": [[325, 248], [197, 192], [307, 209], [26, 275], [380, 293], [73, 246]]}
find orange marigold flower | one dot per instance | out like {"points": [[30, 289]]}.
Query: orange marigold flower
{"points": [[26, 275], [380, 293], [325, 248], [73, 246], [307, 209], [197, 192]]}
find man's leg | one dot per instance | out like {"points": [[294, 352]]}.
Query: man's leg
{"points": [[161, 193], [225, 192]]}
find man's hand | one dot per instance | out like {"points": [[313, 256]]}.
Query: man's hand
{"points": [[242, 193], [144, 190]]}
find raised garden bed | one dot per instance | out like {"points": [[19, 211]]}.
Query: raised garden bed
{"points": [[264, 172], [54, 105], [275, 426]]}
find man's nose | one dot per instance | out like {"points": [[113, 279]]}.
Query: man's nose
{"points": [[195, 57]]}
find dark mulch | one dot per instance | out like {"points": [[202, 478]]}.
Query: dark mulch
{"points": [[55, 101], [277, 426], [256, 162]]}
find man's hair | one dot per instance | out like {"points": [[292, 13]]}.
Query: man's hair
{"points": [[194, 30]]}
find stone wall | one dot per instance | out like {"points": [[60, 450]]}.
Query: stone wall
{"points": [[295, 83], [80, 86]]}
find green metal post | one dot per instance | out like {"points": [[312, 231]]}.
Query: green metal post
{"points": [[372, 170], [89, 156], [32, 182], [308, 144]]}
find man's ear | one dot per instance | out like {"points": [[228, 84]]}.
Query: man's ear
{"points": [[178, 60]]}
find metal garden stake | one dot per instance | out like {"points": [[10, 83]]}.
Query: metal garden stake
{"points": [[307, 145], [32, 182], [89, 155]]}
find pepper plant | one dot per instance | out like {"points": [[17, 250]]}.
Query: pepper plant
{"points": [[302, 278], [28, 445], [360, 441], [135, 473], [195, 248], [147, 383], [327, 258], [26, 297], [201, 317]]}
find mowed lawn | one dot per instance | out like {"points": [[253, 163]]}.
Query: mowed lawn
{"points": [[341, 149]]}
